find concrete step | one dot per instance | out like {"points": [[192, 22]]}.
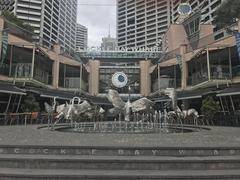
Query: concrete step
{"points": [[121, 151], [119, 162], [63, 174]]}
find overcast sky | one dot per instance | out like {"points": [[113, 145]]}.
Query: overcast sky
{"points": [[97, 19]]}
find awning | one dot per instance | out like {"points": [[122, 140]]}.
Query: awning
{"points": [[97, 100], [51, 93], [11, 89], [161, 99], [235, 90], [193, 94], [64, 95], [184, 95]]}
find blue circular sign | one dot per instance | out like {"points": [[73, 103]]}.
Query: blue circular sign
{"points": [[119, 79]]}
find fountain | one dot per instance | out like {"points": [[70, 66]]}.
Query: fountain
{"points": [[129, 117]]}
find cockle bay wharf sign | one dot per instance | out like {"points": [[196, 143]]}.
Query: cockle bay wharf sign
{"points": [[120, 53], [117, 151]]}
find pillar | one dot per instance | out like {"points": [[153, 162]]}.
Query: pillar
{"points": [[145, 78], [159, 78], [81, 78], [239, 25], [93, 77], [208, 65], [33, 61], [183, 50], [56, 65], [1, 29]]}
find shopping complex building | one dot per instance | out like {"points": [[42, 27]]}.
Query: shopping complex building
{"points": [[197, 60]]}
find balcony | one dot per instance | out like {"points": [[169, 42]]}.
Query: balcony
{"points": [[22, 72], [169, 77], [18, 66], [210, 67]]}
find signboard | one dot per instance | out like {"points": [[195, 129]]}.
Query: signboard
{"points": [[119, 79], [184, 9]]}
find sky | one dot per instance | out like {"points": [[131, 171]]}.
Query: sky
{"points": [[97, 15]]}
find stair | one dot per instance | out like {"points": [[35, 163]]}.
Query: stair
{"points": [[115, 163]]}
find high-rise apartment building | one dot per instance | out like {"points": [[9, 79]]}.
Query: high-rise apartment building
{"points": [[207, 7], [53, 20], [142, 23], [7, 5], [30, 13], [81, 37], [58, 23]]}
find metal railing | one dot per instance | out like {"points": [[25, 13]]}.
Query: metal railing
{"points": [[230, 119], [25, 118]]}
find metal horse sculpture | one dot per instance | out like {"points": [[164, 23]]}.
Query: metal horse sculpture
{"points": [[180, 116], [78, 111], [142, 105]]}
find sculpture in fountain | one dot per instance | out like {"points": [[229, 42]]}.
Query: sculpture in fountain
{"points": [[76, 111], [139, 116], [178, 115], [142, 105]]}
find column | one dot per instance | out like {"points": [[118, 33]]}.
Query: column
{"points": [[1, 29], [145, 78], [208, 65], [238, 25], [183, 50], [93, 77], [81, 78], [56, 65], [33, 61], [159, 78]]}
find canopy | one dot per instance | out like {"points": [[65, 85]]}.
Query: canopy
{"points": [[10, 89], [235, 90], [51, 93]]}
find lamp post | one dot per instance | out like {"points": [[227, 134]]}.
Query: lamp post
{"points": [[129, 91]]}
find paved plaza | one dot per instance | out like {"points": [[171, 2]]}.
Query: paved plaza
{"points": [[31, 135]]}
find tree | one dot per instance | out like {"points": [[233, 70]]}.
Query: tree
{"points": [[30, 104], [227, 13], [13, 19], [210, 107]]}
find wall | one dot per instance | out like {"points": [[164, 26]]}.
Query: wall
{"points": [[176, 35]]}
